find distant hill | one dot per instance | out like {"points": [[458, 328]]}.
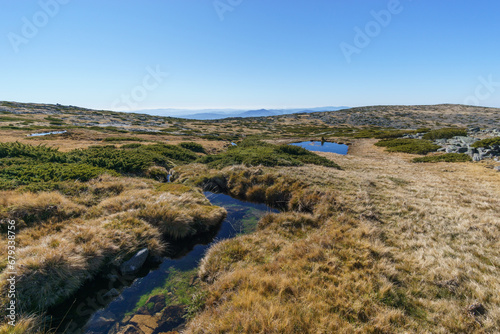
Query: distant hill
{"points": [[210, 114]]}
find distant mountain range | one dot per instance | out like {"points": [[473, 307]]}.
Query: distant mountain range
{"points": [[209, 114]]}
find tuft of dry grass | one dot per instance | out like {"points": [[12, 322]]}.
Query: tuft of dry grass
{"points": [[29, 209]]}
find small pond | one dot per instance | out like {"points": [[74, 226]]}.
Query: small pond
{"points": [[318, 146], [242, 217], [47, 133]]}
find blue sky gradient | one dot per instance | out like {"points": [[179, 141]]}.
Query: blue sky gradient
{"points": [[248, 53]]}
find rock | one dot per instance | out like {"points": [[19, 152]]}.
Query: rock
{"points": [[130, 329], [153, 305], [476, 157], [112, 293], [462, 150], [145, 323], [133, 265], [476, 309], [101, 322], [497, 168], [451, 149], [171, 317]]}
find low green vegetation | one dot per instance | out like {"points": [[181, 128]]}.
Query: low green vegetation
{"points": [[11, 119], [445, 133], [194, 147], [412, 146], [42, 167], [447, 157], [118, 139], [487, 142], [255, 153], [177, 289]]}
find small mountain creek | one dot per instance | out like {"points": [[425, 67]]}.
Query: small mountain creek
{"points": [[161, 290]]}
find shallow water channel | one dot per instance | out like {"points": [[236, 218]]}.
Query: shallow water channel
{"points": [[318, 146], [85, 311]]}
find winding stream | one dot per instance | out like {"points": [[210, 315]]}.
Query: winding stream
{"points": [[102, 303]]}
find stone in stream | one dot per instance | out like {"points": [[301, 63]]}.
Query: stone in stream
{"points": [[133, 265], [102, 321], [156, 302], [146, 323]]}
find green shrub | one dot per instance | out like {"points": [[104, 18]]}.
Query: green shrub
{"points": [[40, 152], [118, 139], [445, 133], [487, 142], [132, 145], [49, 172], [255, 153], [133, 161], [448, 157], [194, 147], [413, 146]]}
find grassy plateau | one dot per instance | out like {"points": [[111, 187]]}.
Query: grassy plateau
{"points": [[391, 238]]}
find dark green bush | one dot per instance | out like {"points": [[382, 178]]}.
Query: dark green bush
{"points": [[118, 139], [413, 146], [487, 142], [132, 145], [445, 133], [448, 157], [40, 152], [194, 147], [50, 172]]}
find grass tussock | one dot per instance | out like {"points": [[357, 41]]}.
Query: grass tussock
{"points": [[412, 146], [29, 209], [25, 325], [447, 157]]}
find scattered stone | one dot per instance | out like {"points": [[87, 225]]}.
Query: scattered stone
{"points": [[476, 309], [145, 323], [497, 168], [133, 265], [153, 305], [130, 329], [102, 321], [112, 293]]}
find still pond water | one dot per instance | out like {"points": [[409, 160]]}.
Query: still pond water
{"points": [[318, 146]]}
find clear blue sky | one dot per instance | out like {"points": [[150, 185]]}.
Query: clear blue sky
{"points": [[261, 53]]}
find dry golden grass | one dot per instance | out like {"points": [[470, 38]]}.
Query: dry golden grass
{"points": [[67, 243], [31, 209], [405, 248], [25, 325]]}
